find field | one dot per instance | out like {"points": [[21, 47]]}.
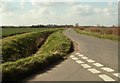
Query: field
{"points": [[13, 31], [111, 33], [36, 49]]}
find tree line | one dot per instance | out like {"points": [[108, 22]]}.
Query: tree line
{"points": [[39, 26]]}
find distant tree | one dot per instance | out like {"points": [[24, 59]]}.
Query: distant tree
{"points": [[77, 24]]}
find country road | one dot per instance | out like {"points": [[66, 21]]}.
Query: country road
{"points": [[93, 60]]}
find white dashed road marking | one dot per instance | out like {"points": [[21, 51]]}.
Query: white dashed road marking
{"points": [[80, 55], [107, 69], [94, 70], [85, 66], [77, 53], [90, 61], [74, 58], [117, 75], [106, 78], [71, 56], [98, 64], [79, 61], [84, 57]]}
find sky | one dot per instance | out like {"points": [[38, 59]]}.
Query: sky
{"points": [[31, 12]]}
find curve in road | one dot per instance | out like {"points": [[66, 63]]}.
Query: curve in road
{"points": [[94, 60]]}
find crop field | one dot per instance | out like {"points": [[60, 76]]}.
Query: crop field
{"points": [[111, 33], [13, 31], [30, 51]]}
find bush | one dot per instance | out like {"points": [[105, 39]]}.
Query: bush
{"points": [[54, 49]]}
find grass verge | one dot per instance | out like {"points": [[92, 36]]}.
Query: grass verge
{"points": [[54, 49], [104, 36]]}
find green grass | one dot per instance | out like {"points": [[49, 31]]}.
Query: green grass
{"points": [[104, 36], [13, 31], [56, 43], [54, 49], [23, 45]]}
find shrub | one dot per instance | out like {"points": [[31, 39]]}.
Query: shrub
{"points": [[81, 28]]}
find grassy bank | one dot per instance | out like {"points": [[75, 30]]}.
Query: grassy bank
{"points": [[23, 45], [99, 35], [54, 49]]}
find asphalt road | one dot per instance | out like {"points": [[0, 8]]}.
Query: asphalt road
{"points": [[94, 59]]}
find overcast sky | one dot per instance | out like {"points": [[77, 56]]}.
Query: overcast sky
{"points": [[28, 12]]}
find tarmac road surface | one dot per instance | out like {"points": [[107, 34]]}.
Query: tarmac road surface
{"points": [[94, 59]]}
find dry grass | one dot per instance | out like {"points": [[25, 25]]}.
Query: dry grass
{"points": [[107, 30]]}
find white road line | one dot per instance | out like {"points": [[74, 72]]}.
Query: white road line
{"points": [[107, 69], [84, 57], [93, 70], [77, 53], [79, 61], [80, 55], [117, 75], [74, 58], [106, 78], [98, 64], [85, 66], [90, 61]]}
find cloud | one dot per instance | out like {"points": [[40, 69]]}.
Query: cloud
{"points": [[55, 0], [56, 12], [88, 10], [22, 3], [81, 10], [105, 11], [4, 7]]}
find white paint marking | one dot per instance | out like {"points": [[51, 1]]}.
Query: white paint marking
{"points": [[117, 75], [79, 61], [85, 66], [94, 70], [90, 61], [106, 78], [74, 58], [77, 53], [98, 64], [53, 68], [84, 57], [80, 55], [107, 69]]}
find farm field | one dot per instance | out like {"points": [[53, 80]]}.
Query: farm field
{"points": [[13, 31], [31, 51], [106, 33]]}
